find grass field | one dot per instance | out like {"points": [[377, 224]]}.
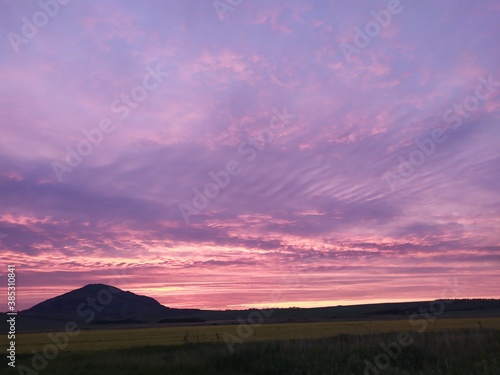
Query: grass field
{"points": [[458, 352], [446, 346], [129, 338]]}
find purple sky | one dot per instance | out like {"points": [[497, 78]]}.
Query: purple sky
{"points": [[380, 183]]}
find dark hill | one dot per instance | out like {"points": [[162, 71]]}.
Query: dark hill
{"points": [[96, 304], [107, 302]]}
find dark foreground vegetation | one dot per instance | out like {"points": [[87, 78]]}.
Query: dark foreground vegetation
{"points": [[467, 352]]}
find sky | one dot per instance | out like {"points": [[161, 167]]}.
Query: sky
{"points": [[261, 154]]}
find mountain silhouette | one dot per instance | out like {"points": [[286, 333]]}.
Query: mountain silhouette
{"points": [[101, 302]]}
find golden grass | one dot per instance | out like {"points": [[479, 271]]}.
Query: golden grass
{"points": [[135, 337]]}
